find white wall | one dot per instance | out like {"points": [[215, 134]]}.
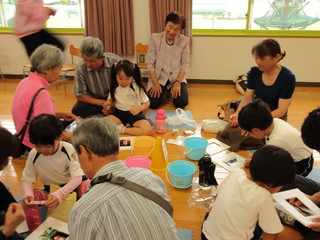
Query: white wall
{"points": [[219, 58]]}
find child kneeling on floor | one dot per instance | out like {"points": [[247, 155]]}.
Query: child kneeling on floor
{"points": [[244, 201], [256, 119], [55, 162]]}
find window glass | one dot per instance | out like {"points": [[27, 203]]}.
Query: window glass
{"points": [[70, 14], [285, 15], [7, 12], [219, 14], [256, 17]]}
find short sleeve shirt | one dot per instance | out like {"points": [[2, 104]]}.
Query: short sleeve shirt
{"points": [[239, 205], [95, 83], [283, 87], [56, 169], [126, 97]]}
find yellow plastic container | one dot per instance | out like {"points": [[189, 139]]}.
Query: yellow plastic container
{"points": [[143, 146]]}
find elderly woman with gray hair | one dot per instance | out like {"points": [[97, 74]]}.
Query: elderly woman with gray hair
{"points": [[92, 78], [46, 61]]}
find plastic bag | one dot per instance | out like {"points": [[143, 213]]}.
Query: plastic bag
{"points": [[180, 118], [202, 199], [213, 125]]}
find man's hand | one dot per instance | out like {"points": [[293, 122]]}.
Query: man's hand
{"points": [[107, 108]]}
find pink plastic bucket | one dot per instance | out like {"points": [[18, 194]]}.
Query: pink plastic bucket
{"points": [[137, 161]]}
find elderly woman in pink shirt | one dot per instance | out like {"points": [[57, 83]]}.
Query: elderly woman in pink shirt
{"points": [[168, 59], [30, 19], [46, 61]]}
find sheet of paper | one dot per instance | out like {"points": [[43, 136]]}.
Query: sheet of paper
{"points": [[49, 224], [23, 227], [229, 161], [216, 146]]}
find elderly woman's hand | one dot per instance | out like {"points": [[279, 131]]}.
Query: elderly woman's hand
{"points": [[175, 90], [66, 116], [156, 90]]}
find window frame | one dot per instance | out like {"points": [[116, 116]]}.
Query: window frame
{"points": [[254, 33]]}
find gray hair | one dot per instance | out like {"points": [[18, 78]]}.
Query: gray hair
{"points": [[92, 47], [45, 57], [100, 135]]}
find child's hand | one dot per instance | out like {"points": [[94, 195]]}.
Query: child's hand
{"points": [[52, 202], [107, 108], [244, 133], [14, 216], [247, 161], [28, 201], [234, 120], [135, 110], [316, 225], [315, 198]]}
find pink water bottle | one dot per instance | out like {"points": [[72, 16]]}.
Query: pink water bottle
{"points": [[161, 120]]}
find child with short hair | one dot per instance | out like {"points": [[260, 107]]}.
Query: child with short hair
{"points": [[129, 99], [244, 201], [55, 162], [257, 120]]}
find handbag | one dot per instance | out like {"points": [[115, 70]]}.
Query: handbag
{"points": [[20, 135], [241, 83], [228, 108]]}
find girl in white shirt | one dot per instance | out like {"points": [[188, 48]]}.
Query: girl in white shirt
{"points": [[128, 99]]}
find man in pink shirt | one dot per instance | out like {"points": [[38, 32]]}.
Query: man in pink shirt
{"points": [[46, 62]]}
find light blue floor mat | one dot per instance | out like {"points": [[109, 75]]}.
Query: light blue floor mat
{"points": [[185, 234], [152, 114]]}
